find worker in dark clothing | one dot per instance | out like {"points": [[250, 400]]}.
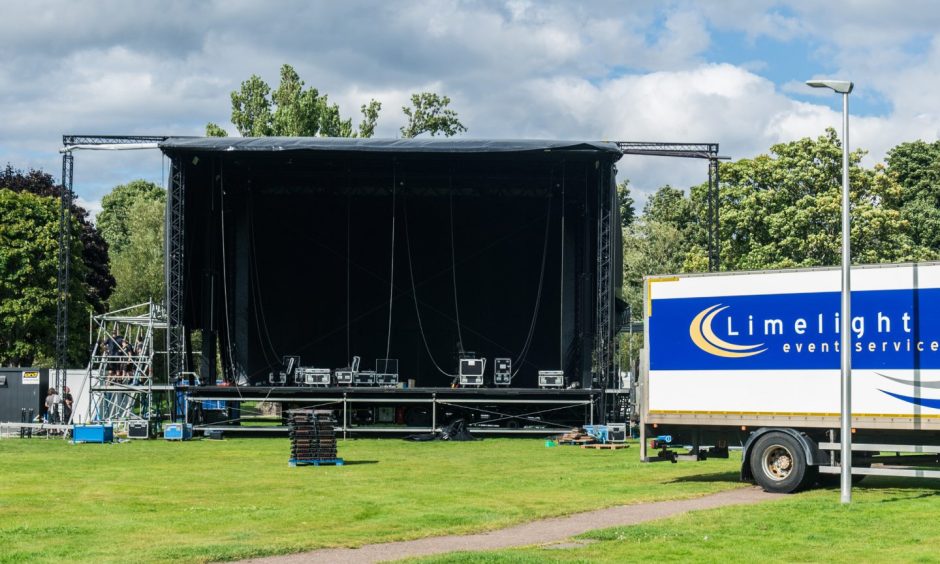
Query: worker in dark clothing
{"points": [[115, 347], [67, 402]]}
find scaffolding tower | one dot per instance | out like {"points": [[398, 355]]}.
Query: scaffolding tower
{"points": [[121, 370]]}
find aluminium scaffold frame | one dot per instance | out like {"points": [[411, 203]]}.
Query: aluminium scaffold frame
{"points": [[121, 380]]}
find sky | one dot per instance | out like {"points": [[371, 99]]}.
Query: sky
{"points": [[729, 72]]}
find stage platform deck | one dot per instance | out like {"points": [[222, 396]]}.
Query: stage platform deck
{"points": [[487, 410], [308, 393]]}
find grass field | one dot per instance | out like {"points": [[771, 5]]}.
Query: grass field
{"points": [[214, 500], [889, 521]]}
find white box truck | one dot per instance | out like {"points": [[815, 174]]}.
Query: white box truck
{"points": [[751, 359]]}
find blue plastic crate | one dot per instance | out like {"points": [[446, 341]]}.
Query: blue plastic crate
{"points": [[92, 433], [177, 431]]}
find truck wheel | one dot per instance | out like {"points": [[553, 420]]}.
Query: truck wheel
{"points": [[778, 464]]}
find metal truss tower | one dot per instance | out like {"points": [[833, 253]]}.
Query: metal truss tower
{"points": [[708, 151], [64, 273], [174, 271]]}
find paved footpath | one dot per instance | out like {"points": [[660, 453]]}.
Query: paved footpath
{"points": [[537, 532]]}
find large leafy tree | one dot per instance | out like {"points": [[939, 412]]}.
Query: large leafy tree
{"points": [[649, 247], [29, 229], [115, 221], [293, 110], [138, 264], [783, 209], [671, 206], [95, 257], [131, 220], [916, 167]]}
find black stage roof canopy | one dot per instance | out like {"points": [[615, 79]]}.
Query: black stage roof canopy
{"points": [[353, 145]]}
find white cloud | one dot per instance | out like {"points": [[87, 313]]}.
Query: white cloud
{"points": [[604, 70], [93, 208]]}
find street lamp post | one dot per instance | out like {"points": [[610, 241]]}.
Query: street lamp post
{"points": [[844, 87]]}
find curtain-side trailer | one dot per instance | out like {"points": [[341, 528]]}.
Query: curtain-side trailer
{"points": [[751, 359]]}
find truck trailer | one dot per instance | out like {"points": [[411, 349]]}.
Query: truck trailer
{"points": [[752, 360]]}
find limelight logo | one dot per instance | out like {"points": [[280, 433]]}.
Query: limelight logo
{"points": [[704, 337]]}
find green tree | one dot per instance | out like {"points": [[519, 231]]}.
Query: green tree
{"points": [[29, 228], [215, 130], [114, 220], [784, 209], [649, 247], [916, 167], [131, 220], [138, 265], [291, 110], [370, 116], [429, 113], [251, 108], [98, 280], [626, 204], [671, 206]]}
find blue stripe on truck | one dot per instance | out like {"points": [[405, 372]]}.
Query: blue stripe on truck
{"points": [[891, 329]]}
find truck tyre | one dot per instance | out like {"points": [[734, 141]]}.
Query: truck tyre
{"points": [[778, 464]]}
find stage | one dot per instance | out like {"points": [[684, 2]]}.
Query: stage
{"points": [[418, 251]]}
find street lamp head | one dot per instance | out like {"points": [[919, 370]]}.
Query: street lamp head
{"points": [[840, 86]]}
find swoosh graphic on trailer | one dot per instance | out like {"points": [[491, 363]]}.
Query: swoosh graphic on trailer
{"points": [[925, 402], [912, 383], [701, 333]]}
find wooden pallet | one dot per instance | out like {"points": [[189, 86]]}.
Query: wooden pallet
{"points": [[606, 446], [582, 441]]}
